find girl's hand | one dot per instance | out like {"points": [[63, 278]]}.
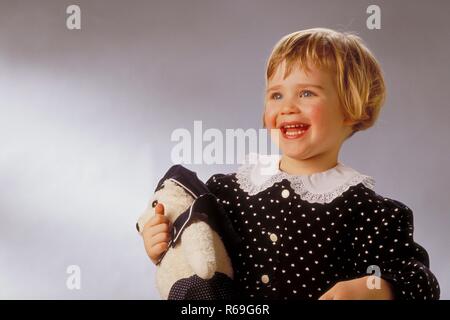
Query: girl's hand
{"points": [[357, 289], [156, 234]]}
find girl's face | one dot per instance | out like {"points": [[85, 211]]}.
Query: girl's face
{"points": [[305, 112]]}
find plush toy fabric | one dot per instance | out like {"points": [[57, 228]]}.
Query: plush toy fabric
{"points": [[196, 266]]}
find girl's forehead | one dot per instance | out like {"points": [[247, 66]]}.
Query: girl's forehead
{"points": [[309, 73]]}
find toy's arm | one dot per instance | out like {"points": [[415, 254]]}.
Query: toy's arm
{"points": [[198, 249]]}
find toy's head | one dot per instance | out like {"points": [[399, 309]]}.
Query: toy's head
{"points": [[186, 198], [175, 199]]}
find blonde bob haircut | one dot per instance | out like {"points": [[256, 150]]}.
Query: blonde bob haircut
{"points": [[358, 76]]}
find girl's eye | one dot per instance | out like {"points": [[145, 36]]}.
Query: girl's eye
{"points": [[306, 93], [154, 203], [275, 95], [303, 94]]}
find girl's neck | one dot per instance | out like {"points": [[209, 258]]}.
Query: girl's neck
{"points": [[307, 166]]}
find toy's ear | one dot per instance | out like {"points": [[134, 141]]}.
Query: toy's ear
{"points": [[160, 186]]}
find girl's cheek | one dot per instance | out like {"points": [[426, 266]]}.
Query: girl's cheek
{"points": [[316, 115], [270, 117]]}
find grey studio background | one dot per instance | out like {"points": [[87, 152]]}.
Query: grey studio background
{"points": [[86, 117]]}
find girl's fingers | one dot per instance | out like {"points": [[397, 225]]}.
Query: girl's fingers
{"points": [[155, 251], [155, 220], [154, 230], [160, 237], [157, 234], [159, 209], [158, 249]]}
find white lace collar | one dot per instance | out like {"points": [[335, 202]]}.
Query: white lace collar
{"points": [[260, 172]]}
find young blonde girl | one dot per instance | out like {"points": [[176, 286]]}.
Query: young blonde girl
{"points": [[313, 227]]}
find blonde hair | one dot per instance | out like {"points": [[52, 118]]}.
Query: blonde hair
{"points": [[359, 80]]}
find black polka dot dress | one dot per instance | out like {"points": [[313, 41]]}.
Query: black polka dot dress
{"points": [[303, 234]]}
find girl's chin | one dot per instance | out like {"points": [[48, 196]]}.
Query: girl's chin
{"points": [[292, 151]]}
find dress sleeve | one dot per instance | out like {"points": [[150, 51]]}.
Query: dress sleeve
{"points": [[387, 242]]}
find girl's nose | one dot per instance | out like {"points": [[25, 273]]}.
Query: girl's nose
{"points": [[289, 108]]}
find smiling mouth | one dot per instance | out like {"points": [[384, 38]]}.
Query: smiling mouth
{"points": [[294, 131]]}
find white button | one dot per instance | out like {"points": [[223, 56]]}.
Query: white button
{"points": [[265, 278], [285, 193], [273, 237]]}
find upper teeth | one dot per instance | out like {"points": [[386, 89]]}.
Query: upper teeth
{"points": [[301, 125]]}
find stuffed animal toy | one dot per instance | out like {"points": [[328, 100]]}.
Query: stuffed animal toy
{"points": [[196, 265]]}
